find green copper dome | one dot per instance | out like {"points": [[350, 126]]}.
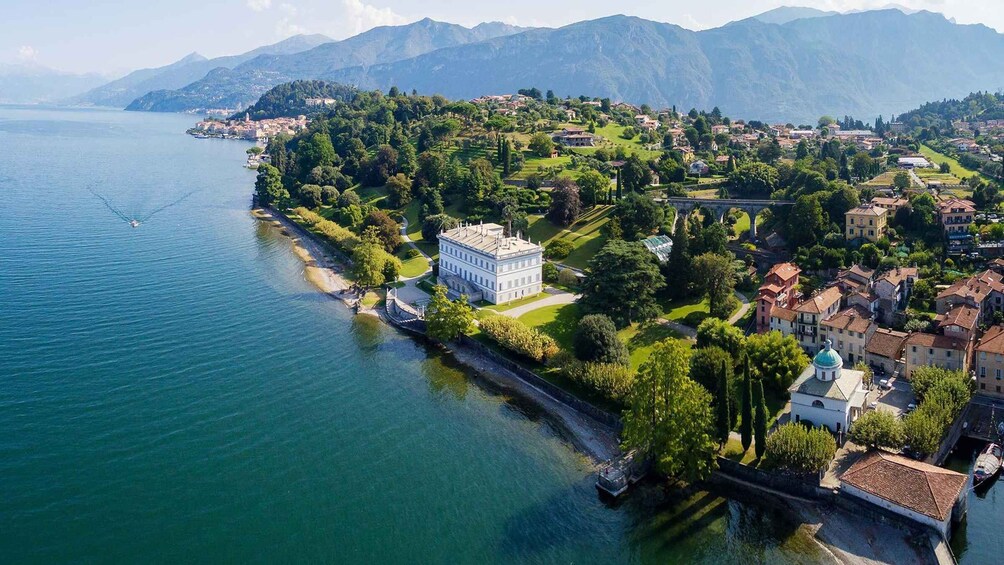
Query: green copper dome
{"points": [[827, 358]]}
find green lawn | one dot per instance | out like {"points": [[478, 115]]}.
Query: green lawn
{"points": [[934, 175], [415, 229], [584, 235], [533, 165], [938, 158], [412, 267], [612, 139], [690, 312], [706, 193], [742, 225], [884, 179], [734, 450], [557, 321], [641, 339], [515, 303]]}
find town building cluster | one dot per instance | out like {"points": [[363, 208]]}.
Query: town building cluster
{"points": [[248, 129]]}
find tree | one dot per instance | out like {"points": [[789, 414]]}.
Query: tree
{"points": [[718, 279], [268, 186], [593, 187], [596, 341], [901, 181], [369, 263], [385, 229], [622, 282], [638, 215], [922, 431], [723, 417], [310, 196], [398, 190], [797, 448], [707, 366], [635, 174], [565, 205], [541, 145], [447, 319], [436, 224], [677, 268], [669, 415], [806, 221], [863, 166], [746, 425], [878, 428], [760, 420], [775, 359], [769, 151], [753, 179], [713, 332]]}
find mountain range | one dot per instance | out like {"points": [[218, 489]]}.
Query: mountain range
{"points": [[30, 83], [119, 93], [789, 64]]}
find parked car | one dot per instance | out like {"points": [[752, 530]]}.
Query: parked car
{"points": [[910, 407], [884, 384]]}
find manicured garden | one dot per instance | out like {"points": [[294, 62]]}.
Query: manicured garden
{"points": [[585, 235]]}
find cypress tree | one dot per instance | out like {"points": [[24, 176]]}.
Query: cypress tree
{"points": [[723, 419], [677, 269], [620, 185], [746, 424], [760, 443]]}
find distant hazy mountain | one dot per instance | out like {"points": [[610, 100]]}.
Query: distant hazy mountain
{"points": [[193, 67], [254, 76], [785, 14], [863, 64], [32, 84]]}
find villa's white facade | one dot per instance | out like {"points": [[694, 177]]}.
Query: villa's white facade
{"points": [[479, 259]]}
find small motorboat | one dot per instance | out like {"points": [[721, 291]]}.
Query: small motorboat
{"points": [[988, 463], [134, 223]]}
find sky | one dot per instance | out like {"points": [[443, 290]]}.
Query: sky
{"points": [[114, 37]]}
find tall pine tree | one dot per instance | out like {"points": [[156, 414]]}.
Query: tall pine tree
{"points": [[760, 441], [723, 420], [677, 269], [746, 424]]}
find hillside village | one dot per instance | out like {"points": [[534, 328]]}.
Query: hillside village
{"points": [[582, 237]]}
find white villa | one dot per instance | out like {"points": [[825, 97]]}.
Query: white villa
{"points": [[826, 394], [479, 261]]}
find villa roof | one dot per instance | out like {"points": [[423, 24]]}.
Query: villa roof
{"points": [[936, 340], [783, 313], [841, 388], [886, 343], [867, 210], [488, 239], [964, 316], [853, 319], [820, 302], [784, 271], [993, 341], [977, 287], [922, 488], [898, 275], [950, 206]]}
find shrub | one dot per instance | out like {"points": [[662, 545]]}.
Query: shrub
{"points": [[329, 195], [596, 340], [310, 196], [348, 198], [550, 273], [567, 277], [436, 223], [795, 447], [340, 237], [519, 338], [611, 381], [878, 428], [558, 249], [411, 253]]}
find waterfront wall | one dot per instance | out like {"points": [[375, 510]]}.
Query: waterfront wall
{"points": [[611, 420], [803, 485]]}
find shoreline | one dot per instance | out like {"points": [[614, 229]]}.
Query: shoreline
{"points": [[587, 436]]}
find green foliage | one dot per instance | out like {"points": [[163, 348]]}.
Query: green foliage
{"points": [[593, 187], [925, 379], [436, 224], [753, 179], [795, 447], [596, 340], [942, 395], [290, 99], [340, 237], [638, 215], [565, 205], [558, 249], [541, 145], [398, 190], [775, 359], [746, 396], [447, 319], [371, 265], [622, 282], [549, 272], [669, 416], [923, 430], [611, 381], [268, 186], [384, 228], [718, 279], [519, 338], [714, 332], [568, 278], [878, 428], [760, 417]]}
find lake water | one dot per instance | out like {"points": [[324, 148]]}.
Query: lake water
{"points": [[178, 393]]}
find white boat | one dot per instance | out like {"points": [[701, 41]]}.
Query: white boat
{"points": [[134, 223], [988, 463]]}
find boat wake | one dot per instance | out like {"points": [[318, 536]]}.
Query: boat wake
{"points": [[139, 219]]}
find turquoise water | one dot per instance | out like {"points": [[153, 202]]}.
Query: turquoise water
{"points": [[178, 393], [978, 539]]}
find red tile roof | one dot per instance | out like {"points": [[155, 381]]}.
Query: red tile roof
{"points": [[993, 341], [922, 488], [820, 302], [784, 271], [886, 343]]}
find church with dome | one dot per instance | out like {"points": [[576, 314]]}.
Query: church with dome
{"points": [[827, 394]]}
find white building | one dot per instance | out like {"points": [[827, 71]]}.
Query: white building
{"points": [[826, 394], [479, 261]]}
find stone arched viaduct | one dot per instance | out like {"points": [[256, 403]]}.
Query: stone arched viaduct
{"points": [[721, 206]]}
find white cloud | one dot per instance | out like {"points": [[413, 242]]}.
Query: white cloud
{"points": [[27, 53], [361, 16], [259, 5]]}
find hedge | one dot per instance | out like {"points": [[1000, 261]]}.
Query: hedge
{"points": [[519, 338], [336, 234]]}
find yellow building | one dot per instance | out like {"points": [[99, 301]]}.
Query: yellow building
{"points": [[867, 222]]}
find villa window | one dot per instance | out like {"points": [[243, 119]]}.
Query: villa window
{"points": [[819, 403]]}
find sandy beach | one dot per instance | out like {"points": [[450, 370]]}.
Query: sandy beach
{"points": [[320, 268]]}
